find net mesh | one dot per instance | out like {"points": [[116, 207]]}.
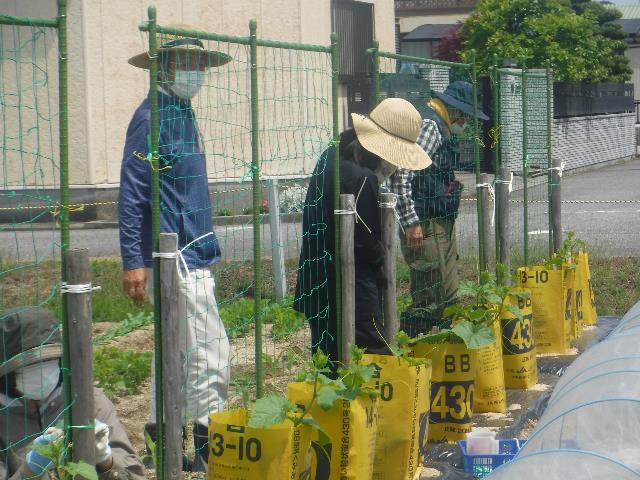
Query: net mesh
{"points": [[295, 115], [523, 128], [30, 270]]}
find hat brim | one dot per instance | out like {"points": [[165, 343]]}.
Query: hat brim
{"points": [[41, 353], [210, 58], [395, 150], [463, 107]]}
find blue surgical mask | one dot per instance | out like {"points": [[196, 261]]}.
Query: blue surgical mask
{"points": [[187, 83]]}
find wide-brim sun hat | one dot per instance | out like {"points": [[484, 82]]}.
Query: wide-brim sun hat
{"points": [[390, 131], [459, 94], [29, 336], [185, 46]]}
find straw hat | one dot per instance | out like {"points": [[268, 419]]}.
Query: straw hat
{"points": [[184, 45], [29, 336], [390, 131]]}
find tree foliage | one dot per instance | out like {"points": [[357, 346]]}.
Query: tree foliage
{"points": [[619, 69], [546, 33]]}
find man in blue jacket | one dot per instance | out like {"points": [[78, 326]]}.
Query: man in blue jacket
{"points": [[185, 209]]}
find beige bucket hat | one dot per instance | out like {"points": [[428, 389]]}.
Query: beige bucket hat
{"points": [[390, 131], [185, 45]]}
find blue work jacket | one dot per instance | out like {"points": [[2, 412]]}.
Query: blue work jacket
{"points": [[185, 206]]}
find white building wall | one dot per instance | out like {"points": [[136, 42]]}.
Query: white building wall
{"points": [[104, 90]]}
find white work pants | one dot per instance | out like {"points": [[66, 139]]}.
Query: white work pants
{"points": [[204, 346]]}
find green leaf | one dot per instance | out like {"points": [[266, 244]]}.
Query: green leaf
{"points": [[320, 359], [81, 469], [270, 410], [356, 353], [434, 338], [50, 451], [348, 393], [453, 311], [494, 298], [514, 310], [473, 335], [521, 294], [468, 288], [326, 398]]}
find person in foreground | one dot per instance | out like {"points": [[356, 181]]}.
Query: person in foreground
{"points": [[369, 153], [185, 210], [32, 403]]}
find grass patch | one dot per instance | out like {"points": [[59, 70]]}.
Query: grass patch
{"points": [[111, 304], [120, 372], [238, 318], [128, 325], [615, 283]]}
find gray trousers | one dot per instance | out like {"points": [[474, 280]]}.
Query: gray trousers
{"points": [[434, 270]]}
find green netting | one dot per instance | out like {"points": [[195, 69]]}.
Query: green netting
{"points": [[523, 134], [30, 231], [444, 201]]}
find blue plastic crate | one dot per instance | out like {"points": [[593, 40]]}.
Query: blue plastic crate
{"points": [[481, 465]]}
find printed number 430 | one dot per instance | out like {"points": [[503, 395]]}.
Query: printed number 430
{"points": [[452, 402]]}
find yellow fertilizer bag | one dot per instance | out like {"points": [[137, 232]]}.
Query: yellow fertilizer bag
{"points": [[551, 304], [490, 393], [569, 270], [585, 299], [574, 283], [352, 427], [452, 389], [518, 345], [239, 452], [403, 415]]}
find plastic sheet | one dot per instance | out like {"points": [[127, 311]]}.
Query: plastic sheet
{"points": [[607, 427], [563, 465]]}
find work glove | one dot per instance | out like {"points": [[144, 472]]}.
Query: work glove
{"points": [[103, 449], [37, 462]]}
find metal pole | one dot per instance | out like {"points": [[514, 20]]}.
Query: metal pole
{"points": [[257, 195], [488, 205], [502, 220], [375, 52], [155, 237], [496, 146], [389, 240], [482, 263], [64, 207], [336, 189], [550, 160], [525, 163], [172, 368], [348, 270], [81, 356], [277, 247]]}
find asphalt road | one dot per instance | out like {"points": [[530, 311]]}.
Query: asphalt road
{"points": [[602, 206]]}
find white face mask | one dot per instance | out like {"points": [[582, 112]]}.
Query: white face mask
{"points": [[384, 171], [187, 83], [39, 380]]}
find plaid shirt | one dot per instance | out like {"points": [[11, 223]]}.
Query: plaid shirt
{"points": [[430, 139]]}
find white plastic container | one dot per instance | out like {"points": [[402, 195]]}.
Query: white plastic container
{"points": [[482, 442]]}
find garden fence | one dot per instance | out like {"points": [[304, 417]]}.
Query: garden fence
{"points": [[35, 187], [264, 119], [268, 114]]}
